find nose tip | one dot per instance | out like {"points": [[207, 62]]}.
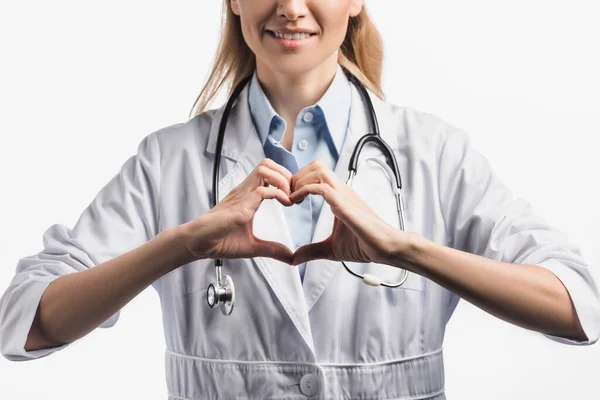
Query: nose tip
{"points": [[291, 9]]}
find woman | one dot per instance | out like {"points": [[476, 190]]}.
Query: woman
{"points": [[313, 331]]}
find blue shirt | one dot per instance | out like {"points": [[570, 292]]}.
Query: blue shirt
{"points": [[319, 133]]}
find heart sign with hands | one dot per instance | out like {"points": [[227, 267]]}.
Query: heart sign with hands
{"points": [[358, 234]]}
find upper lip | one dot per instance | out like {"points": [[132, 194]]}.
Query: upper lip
{"points": [[287, 30]]}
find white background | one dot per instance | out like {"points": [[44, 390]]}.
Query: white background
{"points": [[82, 83]]}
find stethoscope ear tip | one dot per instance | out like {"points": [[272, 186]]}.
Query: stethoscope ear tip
{"points": [[371, 280]]}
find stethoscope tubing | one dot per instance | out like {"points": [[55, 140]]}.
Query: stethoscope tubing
{"points": [[223, 292]]}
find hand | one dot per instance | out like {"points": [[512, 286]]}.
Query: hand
{"points": [[226, 230], [358, 234]]}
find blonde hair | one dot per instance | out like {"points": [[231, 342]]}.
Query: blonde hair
{"points": [[361, 53]]}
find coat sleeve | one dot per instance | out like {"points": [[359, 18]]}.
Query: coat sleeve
{"points": [[121, 217], [483, 218]]}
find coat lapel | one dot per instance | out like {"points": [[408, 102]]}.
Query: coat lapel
{"points": [[242, 152], [318, 273]]}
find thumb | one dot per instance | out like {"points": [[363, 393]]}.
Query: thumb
{"points": [[313, 251], [275, 250]]}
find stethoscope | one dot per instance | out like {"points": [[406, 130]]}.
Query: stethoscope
{"points": [[223, 291]]}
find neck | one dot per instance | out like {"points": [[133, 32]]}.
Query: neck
{"points": [[289, 94]]}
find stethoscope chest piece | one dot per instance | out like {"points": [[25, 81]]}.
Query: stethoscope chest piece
{"points": [[223, 294]]}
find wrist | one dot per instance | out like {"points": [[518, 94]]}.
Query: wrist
{"points": [[177, 239], [407, 249], [195, 235]]}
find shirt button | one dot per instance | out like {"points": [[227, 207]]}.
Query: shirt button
{"points": [[303, 144], [307, 117], [309, 385]]}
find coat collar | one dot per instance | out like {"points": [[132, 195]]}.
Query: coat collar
{"points": [[242, 145]]}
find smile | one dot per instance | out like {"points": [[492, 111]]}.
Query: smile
{"points": [[291, 36]]}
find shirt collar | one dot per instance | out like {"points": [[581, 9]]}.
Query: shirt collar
{"points": [[335, 105]]}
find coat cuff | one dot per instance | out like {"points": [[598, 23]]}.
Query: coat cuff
{"points": [[17, 314], [585, 297]]}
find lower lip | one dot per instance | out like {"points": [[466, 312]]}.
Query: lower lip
{"points": [[288, 44]]}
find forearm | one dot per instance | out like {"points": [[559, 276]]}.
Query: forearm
{"points": [[526, 295], [75, 304]]}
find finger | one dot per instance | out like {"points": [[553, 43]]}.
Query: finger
{"points": [[322, 189], [272, 177], [261, 193], [313, 251], [316, 176], [277, 167], [308, 168], [275, 250]]}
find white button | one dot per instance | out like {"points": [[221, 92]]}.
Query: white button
{"points": [[309, 385], [303, 144], [308, 117]]}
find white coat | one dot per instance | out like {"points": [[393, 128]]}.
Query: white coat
{"points": [[331, 336]]}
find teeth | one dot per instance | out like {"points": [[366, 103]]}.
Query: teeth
{"points": [[292, 36]]}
